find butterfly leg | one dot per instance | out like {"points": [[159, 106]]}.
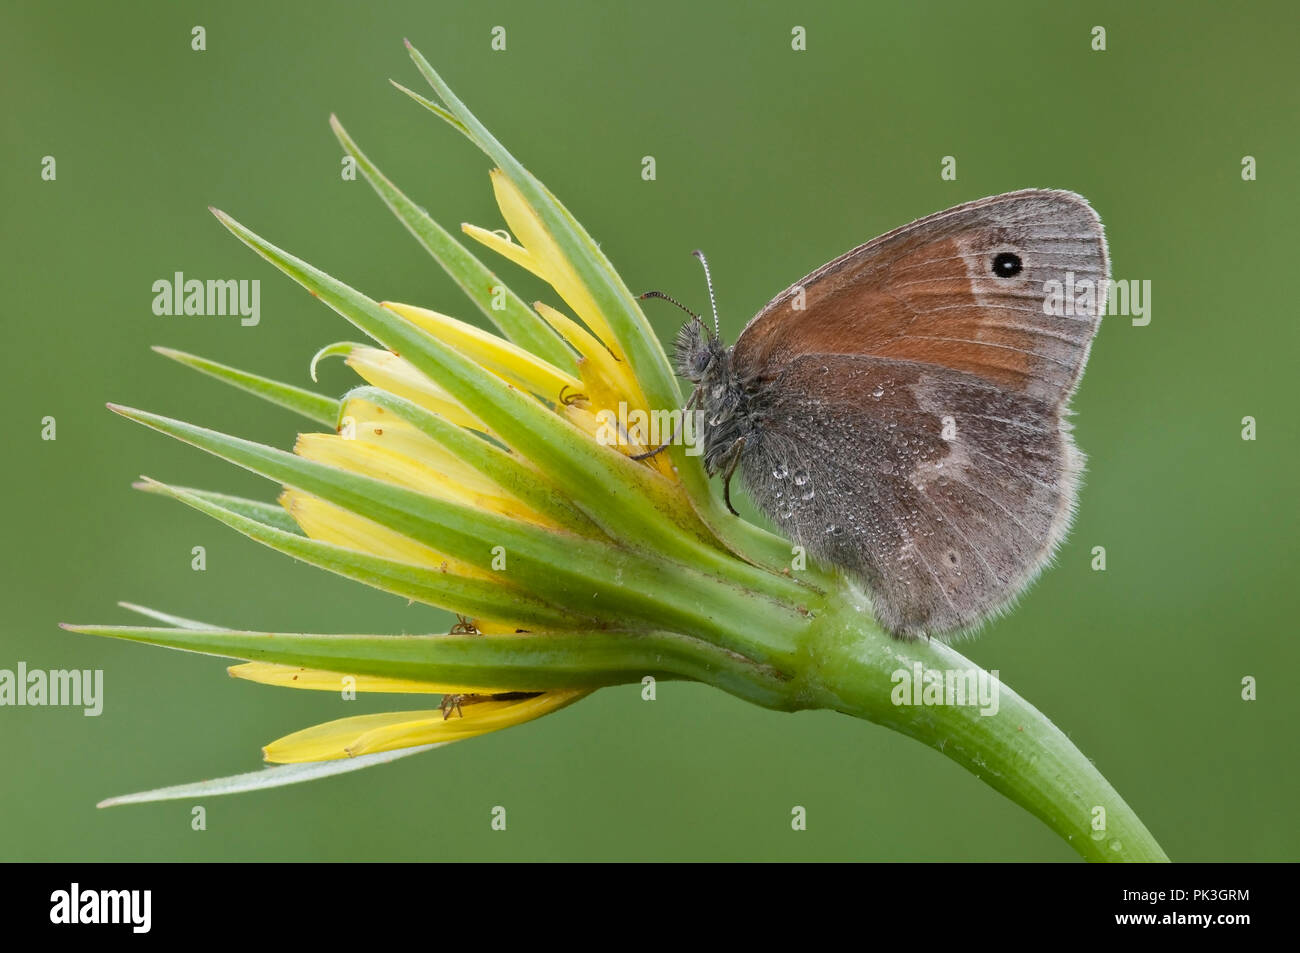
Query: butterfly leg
{"points": [[733, 460]]}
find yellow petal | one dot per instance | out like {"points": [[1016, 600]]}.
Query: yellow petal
{"points": [[376, 425], [488, 627], [381, 462], [386, 370], [603, 427], [369, 734], [582, 340], [332, 524], [498, 355], [552, 263], [319, 680], [605, 382], [504, 247]]}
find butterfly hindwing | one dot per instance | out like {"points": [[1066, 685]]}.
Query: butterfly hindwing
{"points": [[902, 474]]}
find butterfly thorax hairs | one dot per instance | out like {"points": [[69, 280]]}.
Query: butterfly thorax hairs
{"points": [[719, 396], [705, 361]]}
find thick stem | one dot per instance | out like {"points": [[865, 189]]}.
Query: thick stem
{"points": [[850, 665]]}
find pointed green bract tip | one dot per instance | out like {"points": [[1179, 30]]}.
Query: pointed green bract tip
{"points": [[130, 413]]}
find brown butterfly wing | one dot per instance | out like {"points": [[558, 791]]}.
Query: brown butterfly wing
{"points": [[902, 473], [926, 292], [907, 423]]}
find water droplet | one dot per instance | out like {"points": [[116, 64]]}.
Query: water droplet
{"points": [[780, 472], [800, 477], [878, 392], [806, 494]]}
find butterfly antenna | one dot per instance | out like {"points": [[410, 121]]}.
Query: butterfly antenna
{"points": [[713, 302], [670, 300]]}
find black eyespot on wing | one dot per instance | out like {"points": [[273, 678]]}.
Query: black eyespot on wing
{"points": [[1007, 265]]}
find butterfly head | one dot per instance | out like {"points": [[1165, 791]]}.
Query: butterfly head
{"points": [[699, 352], [702, 358]]}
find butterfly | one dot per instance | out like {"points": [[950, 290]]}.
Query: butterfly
{"points": [[902, 411]]}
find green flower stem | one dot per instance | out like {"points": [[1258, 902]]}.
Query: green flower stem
{"points": [[845, 662], [849, 667]]}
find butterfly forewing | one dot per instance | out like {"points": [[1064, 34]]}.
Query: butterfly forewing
{"points": [[928, 292]]}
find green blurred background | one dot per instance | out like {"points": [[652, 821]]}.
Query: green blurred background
{"points": [[773, 161]]}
